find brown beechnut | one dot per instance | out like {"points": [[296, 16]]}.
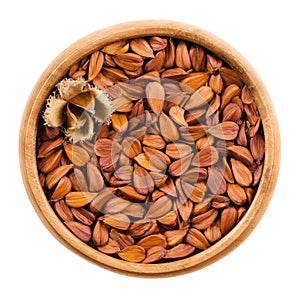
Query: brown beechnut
{"points": [[152, 151]]}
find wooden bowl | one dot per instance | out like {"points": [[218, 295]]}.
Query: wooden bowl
{"points": [[59, 67]]}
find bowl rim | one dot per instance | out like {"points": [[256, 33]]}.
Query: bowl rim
{"points": [[96, 40]]}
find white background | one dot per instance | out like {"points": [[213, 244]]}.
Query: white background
{"points": [[36, 266]]}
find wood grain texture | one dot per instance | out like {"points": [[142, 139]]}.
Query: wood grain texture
{"points": [[80, 49]]}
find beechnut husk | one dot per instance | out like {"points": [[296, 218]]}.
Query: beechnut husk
{"points": [[150, 150]]}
